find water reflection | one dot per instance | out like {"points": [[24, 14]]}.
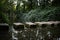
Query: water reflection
{"points": [[39, 33]]}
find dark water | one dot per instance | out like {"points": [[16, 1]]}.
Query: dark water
{"points": [[25, 34], [4, 32]]}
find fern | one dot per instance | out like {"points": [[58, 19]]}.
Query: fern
{"points": [[46, 14]]}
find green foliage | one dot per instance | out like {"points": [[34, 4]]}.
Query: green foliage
{"points": [[42, 13], [45, 14], [3, 18], [5, 9]]}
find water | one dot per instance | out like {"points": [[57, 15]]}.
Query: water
{"points": [[33, 33], [27, 34]]}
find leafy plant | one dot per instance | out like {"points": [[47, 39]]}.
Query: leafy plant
{"points": [[46, 14]]}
